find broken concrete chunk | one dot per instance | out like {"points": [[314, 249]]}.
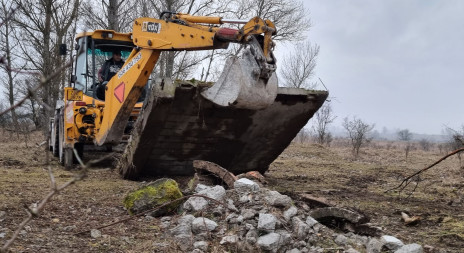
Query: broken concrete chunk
{"points": [[201, 187], [202, 224], [95, 233], [289, 213], [229, 239], [300, 228], [184, 227], [246, 185], [217, 192], [410, 248], [341, 240], [195, 204], [276, 199], [248, 214], [311, 221], [374, 246], [201, 245], [266, 222], [391, 242], [269, 242]]}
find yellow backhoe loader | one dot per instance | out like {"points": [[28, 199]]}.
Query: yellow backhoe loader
{"points": [[241, 122]]}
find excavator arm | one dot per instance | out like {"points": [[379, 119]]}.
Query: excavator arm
{"points": [[247, 82]]}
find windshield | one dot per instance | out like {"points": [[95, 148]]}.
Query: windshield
{"points": [[86, 71], [81, 77]]}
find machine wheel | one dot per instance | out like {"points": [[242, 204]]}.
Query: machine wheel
{"points": [[80, 151], [65, 154], [54, 135]]}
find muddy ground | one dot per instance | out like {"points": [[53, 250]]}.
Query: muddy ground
{"points": [[329, 172]]}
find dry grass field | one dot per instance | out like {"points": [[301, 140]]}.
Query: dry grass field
{"points": [[329, 172]]}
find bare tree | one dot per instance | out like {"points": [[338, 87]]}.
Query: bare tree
{"points": [[302, 136], [425, 144], [405, 135], [358, 132], [456, 141], [115, 15], [323, 117], [42, 27], [298, 66], [5, 36]]}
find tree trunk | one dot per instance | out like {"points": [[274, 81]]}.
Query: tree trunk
{"points": [[113, 22], [11, 98], [47, 64]]}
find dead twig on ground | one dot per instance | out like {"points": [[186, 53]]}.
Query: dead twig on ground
{"points": [[409, 179]]}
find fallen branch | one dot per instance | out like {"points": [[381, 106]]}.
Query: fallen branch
{"points": [[410, 178], [154, 209]]}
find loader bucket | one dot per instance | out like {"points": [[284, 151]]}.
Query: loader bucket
{"points": [[240, 85], [178, 125]]}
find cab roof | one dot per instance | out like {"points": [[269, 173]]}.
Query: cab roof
{"points": [[106, 35]]}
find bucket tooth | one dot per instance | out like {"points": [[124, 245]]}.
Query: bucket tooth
{"points": [[240, 85]]}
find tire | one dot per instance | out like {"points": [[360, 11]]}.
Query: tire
{"points": [[65, 154], [80, 151], [55, 135]]}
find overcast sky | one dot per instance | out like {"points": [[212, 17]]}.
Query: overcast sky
{"points": [[395, 63]]}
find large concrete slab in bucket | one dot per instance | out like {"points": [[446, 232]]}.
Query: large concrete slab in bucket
{"points": [[178, 125]]}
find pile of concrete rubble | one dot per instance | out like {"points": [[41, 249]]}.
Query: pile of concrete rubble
{"points": [[255, 219]]}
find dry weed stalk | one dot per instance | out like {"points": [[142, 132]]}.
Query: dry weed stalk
{"points": [[409, 179]]}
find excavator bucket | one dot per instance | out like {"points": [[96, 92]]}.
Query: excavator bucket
{"points": [[179, 125], [240, 84]]}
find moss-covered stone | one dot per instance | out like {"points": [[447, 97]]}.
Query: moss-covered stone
{"points": [[152, 195]]}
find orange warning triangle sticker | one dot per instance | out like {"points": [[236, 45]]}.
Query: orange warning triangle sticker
{"points": [[119, 92]]}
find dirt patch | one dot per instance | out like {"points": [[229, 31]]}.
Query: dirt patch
{"points": [[329, 173]]}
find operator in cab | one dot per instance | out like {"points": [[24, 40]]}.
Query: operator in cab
{"points": [[107, 71]]}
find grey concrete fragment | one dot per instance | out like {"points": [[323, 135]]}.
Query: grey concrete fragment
{"points": [[341, 240], [391, 242], [266, 222], [295, 250], [201, 187], [248, 214], [245, 185], [251, 236], [300, 229], [311, 221], [231, 206], [195, 204], [269, 242], [201, 245], [410, 248], [289, 213], [202, 224], [374, 246], [276, 199], [229, 239], [184, 227], [285, 237], [351, 250], [95, 233], [216, 192]]}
